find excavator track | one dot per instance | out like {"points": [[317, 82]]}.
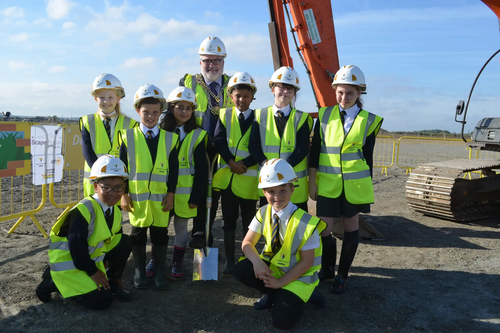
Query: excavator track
{"points": [[441, 189]]}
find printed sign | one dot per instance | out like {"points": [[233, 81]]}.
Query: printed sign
{"points": [[312, 27], [47, 160]]}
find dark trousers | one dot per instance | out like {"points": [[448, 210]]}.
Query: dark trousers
{"points": [[301, 205], [231, 205], [199, 221], [287, 307], [159, 236], [116, 260]]}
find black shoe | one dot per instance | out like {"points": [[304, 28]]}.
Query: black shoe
{"points": [[325, 274], [44, 289], [265, 302], [339, 285], [317, 300], [197, 242], [121, 294]]}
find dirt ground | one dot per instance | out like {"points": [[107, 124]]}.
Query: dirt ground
{"points": [[429, 275]]}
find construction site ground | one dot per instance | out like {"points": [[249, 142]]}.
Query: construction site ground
{"points": [[429, 275]]}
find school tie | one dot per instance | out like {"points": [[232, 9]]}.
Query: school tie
{"points": [[275, 239], [342, 116], [280, 114], [178, 131], [107, 125], [149, 135], [241, 118]]}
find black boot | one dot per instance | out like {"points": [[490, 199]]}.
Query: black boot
{"points": [[265, 302], [139, 253], [46, 287], [328, 258], [347, 254], [229, 240], [160, 261]]}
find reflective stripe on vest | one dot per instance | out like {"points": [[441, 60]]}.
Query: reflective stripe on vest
{"points": [[342, 164], [245, 185], [186, 172], [69, 280], [273, 146], [148, 181]]}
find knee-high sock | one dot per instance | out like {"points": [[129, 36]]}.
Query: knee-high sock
{"points": [[349, 248]]}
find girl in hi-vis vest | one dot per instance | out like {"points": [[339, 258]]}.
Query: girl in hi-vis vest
{"points": [[340, 170], [99, 130], [193, 171]]}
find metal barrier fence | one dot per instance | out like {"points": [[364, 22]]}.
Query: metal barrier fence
{"points": [[20, 199]]}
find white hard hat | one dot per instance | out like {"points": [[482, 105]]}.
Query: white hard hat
{"points": [[182, 94], [108, 166], [107, 81], [351, 75], [212, 46], [276, 172], [241, 78], [149, 90], [285, 75]]}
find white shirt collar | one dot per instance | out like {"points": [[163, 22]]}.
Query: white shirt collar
{"points": [[246, 113], [285, 213], [182, 133], [219, 81], [145, 129], [352, 111], [286, 110], [103, 205], [111, 115]]}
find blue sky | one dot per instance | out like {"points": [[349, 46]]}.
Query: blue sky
{"points": [[419, 57]]}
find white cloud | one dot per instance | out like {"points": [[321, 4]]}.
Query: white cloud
{"points": [[57, 69], [12, 12], [15, 65], [135, 62], [253, 47], [19, 38], [68, 25], [147, 28], [58, 9]]}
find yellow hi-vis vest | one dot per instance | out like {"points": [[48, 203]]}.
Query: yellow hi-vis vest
{"points": [[341, 160], [186, 172], [202, 97], [275, 147], [245, 185], [100, 142], [299, 228], [69, 280], [147, 182]]}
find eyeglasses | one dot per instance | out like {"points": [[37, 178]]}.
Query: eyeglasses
{"points": [[285, 86], [108, 189], [211, 61]]}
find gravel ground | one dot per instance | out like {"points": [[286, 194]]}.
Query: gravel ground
{"points": [[428, 275]]}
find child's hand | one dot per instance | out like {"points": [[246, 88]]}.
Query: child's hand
{"points": [[238, 168], [261, 270], [126, 203], [168, 202], [272, 282], [313, 190], [192, 206]]}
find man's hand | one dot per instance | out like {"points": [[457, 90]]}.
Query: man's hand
{"points": [[126, 203], [168, 202], [238, 168], [100, 279]]}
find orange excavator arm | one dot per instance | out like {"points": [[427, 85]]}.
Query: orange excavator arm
{"points": [[494, 6], [314, 36]]}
